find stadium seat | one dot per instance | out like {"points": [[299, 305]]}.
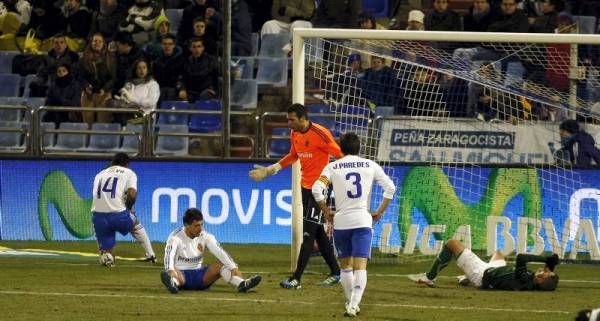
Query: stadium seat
{"points": [[131, 143], [327, 122], [279, 147], [271, 45], [378, 8], [514, 74], [255, 44], [99, 142], [587, 24], [35, 102], [49, 138], [26, 82], [6, 58], [272, 71], [244, 93], [9, 85], [384, 111], [70, 142], [206, 123], [11, 141], [174, 16], [10, 114], [173, 119], [245, 65], [319, 109], [172, 145]]}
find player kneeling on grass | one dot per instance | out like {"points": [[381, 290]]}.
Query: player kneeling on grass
{"points": [[494, 275], [184, 254]]}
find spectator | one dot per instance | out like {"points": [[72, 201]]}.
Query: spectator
{"points": [[46, 20], [97, 70], [60, 54], [77, 19], [141, 90], [554, 112], [241, 29], [416, 20], [64, 90], [366, 21], [140, 20], [345, 84], [107, 19], [210, 44], [337, 13], [21, 8], [10, 20], [578, 147], [379, 83], [557, 53], [196, 9], [162, 27], [127, 52], [168, 68], [200, 75], [441, 18], [549, 21], [288, 15], [479, 17], [510, 19]]}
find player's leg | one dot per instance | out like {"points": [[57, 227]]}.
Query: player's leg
{"points": [[497, 256], [231, 275], [343, 246], [450, 248], [361, 252], [105, 237], [326, 249], [139, 233], [308, 238], [173, 280]]}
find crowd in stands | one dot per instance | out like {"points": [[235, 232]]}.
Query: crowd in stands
{"points": [[128, 53]]}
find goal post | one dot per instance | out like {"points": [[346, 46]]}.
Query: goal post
{"points": [[494, 178]]}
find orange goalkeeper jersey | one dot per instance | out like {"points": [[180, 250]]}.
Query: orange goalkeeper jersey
{"points": [[313, 148]]}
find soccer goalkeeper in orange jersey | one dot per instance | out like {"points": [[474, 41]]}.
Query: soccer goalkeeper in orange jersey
{"points": [[313, 145]]}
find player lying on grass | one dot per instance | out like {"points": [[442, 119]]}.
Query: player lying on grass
{"points": [[184, 253], [494, 274]]}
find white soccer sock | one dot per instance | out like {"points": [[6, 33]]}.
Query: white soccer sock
{"points": [[358, 288], [229, 277], [347, 278], [139, 233]]}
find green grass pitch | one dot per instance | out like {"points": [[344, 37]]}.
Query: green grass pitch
{"points": [[70, 287]]}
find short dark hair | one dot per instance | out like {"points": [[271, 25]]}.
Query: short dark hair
{"points": [[120, 159], [570, 125], [195, 39], [191, 215], [549, 284], [169, 36], [124, 37], [299, 110], [350, 144], [559, 5]]}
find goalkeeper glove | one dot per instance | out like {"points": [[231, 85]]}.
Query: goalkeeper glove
{"points": [[260, 172], [552, 261]]}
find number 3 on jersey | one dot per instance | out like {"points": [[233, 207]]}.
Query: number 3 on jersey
{"points": [[355, 180], [110, 186]]}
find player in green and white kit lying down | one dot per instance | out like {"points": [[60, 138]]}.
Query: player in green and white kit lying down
{"points": [[495, 274]]}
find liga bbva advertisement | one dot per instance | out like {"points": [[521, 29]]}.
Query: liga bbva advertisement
{"points": [[510, 209]]}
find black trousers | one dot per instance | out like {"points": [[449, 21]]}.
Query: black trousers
{"points": [[313, 229]]}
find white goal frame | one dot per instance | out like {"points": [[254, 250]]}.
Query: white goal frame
{"points": [[298, 90]]}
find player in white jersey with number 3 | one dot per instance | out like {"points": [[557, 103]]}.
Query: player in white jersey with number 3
{"points": [[184, 254], [352, 178], [114, 193]]}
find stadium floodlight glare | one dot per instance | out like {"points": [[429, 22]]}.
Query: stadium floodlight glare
{"points": [[475, 126]]}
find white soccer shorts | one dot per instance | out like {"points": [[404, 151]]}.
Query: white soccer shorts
{"points": [[474, 267]]}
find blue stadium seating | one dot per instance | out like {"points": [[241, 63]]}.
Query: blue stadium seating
{"points": [[514, 73], [206, 123], [99, 142], [11, 141], [279, 147], [10, 85], [49, 138], [255, 44], [172, 145], [244, 93], [378, 8], [271, 45], [70, 142], [587, 24], [6, 58], [10, 114], [130, 142], [272, 71]]}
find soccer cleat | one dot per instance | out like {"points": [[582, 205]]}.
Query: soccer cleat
{"points": [[290, 284], [421, 279], [356, 308], [169, 282], [330, 280], [151, 259], [463, 281], [248, 284], [350, 312]]}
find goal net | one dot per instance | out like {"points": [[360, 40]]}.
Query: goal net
{"points": [[467, 125]]}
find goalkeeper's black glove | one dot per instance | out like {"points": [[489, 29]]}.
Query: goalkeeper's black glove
{"points": [[552, 261]]}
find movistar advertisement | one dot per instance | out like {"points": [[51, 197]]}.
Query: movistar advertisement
{"points": [[491, 209]]}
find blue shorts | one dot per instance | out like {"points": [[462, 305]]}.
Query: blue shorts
{"points": [[194, 279], [354, 242], [106, 224]]}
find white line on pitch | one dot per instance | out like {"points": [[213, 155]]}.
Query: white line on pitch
{"points": [[221, 299]]}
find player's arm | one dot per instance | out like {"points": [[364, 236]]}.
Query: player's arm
{"points": [[261, 172], [331, 147], [388, 191], [130, 191], [169, 258], [319, 192], [215, 248], [523, 259]]}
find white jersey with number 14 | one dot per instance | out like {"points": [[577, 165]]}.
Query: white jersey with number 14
{"points": [[352, 178], [110, 188]]}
